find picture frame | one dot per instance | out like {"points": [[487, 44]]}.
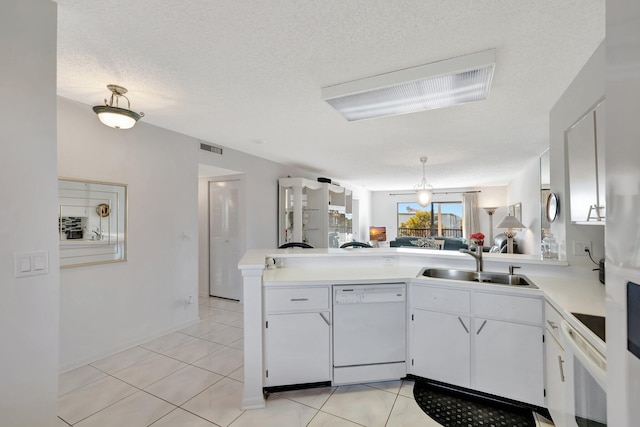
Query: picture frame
{"points": [[515, 210]]}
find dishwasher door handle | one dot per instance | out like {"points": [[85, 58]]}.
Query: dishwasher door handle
{"points": [[325, 319]]}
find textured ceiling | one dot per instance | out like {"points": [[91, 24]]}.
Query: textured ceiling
{"points": [[232, 72]]}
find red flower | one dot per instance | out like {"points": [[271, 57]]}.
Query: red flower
{"points": [[477, 236]]}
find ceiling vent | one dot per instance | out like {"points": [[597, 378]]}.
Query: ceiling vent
{"points": [[212, 148], [439, 84]]}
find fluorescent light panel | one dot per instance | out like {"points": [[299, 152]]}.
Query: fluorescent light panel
{"points": [[426, 87]]}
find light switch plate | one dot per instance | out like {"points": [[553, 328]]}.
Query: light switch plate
{"points": [[31, 263]]}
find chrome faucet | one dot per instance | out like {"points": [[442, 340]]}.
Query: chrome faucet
{"points": [[477, 255]]}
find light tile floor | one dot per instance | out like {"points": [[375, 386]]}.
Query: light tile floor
{"points": [[193, 378]]}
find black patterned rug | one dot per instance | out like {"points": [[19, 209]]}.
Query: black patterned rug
{"points": [[453, 409]]}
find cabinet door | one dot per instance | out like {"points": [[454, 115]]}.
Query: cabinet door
{"points": [[600, 156], [297, 348], [508, 360], [440, 347], [554, 357], [581, 153]]}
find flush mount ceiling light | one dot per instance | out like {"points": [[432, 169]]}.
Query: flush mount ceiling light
{"points": [[424, 191], [426, 87], [114, 116]]}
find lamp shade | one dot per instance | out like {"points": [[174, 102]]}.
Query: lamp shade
{"points": [[112, 115], [424, 197], [510, 222], [117, 118]]}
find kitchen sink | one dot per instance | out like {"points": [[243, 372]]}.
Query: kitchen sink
{"points": [[480, 277]]}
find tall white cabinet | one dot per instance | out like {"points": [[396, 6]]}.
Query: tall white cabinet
{"points": [[317, 213]]}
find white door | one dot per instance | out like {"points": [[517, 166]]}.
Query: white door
{"points": [[225, 240], [509, 360], [297, 348], [441, 347]]}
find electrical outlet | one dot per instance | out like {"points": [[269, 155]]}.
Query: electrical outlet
{"points": [[579, 248]]}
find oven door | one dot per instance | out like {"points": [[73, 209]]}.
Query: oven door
{"points": [[586, 396]]}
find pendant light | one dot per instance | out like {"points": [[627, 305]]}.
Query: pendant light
{"points": [[424, 191], [114, 116]]}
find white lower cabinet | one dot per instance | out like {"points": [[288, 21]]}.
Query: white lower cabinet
{"points": [[486, 341], [508, 360], [555, 362], [297, 348], [441, 347], [555, 381], [297, 335]]}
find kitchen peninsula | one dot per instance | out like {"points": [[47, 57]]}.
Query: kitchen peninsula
{"points": [[301, 290]]}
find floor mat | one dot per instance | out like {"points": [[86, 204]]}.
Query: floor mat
{"points": [[452, 409]]}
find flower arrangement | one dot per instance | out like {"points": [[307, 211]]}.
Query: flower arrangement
{"points": [[477, 238]]}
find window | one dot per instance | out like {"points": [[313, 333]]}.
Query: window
{"points": [[439, 219]]}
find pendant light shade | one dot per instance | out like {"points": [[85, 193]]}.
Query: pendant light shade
{"points": [[114, 116], [424, 191]]}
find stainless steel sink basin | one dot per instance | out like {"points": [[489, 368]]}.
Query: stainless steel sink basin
{"points": [[481, 277]]}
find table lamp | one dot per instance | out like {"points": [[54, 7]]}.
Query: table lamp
{"points": [[510, 222]]}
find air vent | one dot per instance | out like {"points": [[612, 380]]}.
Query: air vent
{"points": [[212, 148]]}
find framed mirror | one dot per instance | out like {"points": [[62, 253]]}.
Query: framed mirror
{"points": [[552, 207], [92, 222]]}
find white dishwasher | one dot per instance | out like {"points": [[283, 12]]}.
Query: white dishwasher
{"points": [[369, 332]]}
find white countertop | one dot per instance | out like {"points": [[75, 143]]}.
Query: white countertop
{"points": [[568, 289]]}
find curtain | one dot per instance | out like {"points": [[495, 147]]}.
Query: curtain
{"points": [[470, 220]]}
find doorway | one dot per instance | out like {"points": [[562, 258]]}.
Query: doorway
{"points": [[225, 237]]}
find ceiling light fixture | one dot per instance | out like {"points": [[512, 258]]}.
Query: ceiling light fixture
{"points": [[439, 84], [424, 191], [114, 116]]}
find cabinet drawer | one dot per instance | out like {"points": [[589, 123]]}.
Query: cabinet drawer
{"points": [[440, 299], [552, 320], [296, 299], [509, 307]]}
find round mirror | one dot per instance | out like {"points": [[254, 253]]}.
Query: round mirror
{"points": [[553, 207]]}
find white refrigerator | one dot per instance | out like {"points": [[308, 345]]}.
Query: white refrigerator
{"points": [[622, 232]]}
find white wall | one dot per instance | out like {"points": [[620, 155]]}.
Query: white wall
{"points": [[525, 189], [105, 308], [28, 218], [584, 92], [384, 207], [361, 214], [261, 181]]}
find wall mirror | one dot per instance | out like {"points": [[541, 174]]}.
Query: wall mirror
{"points": [[92, 222]]}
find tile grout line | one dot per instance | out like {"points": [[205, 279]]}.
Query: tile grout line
{"points": [[156, 353]]}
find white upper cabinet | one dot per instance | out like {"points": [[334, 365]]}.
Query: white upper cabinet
{"points": [[585, 153]]}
